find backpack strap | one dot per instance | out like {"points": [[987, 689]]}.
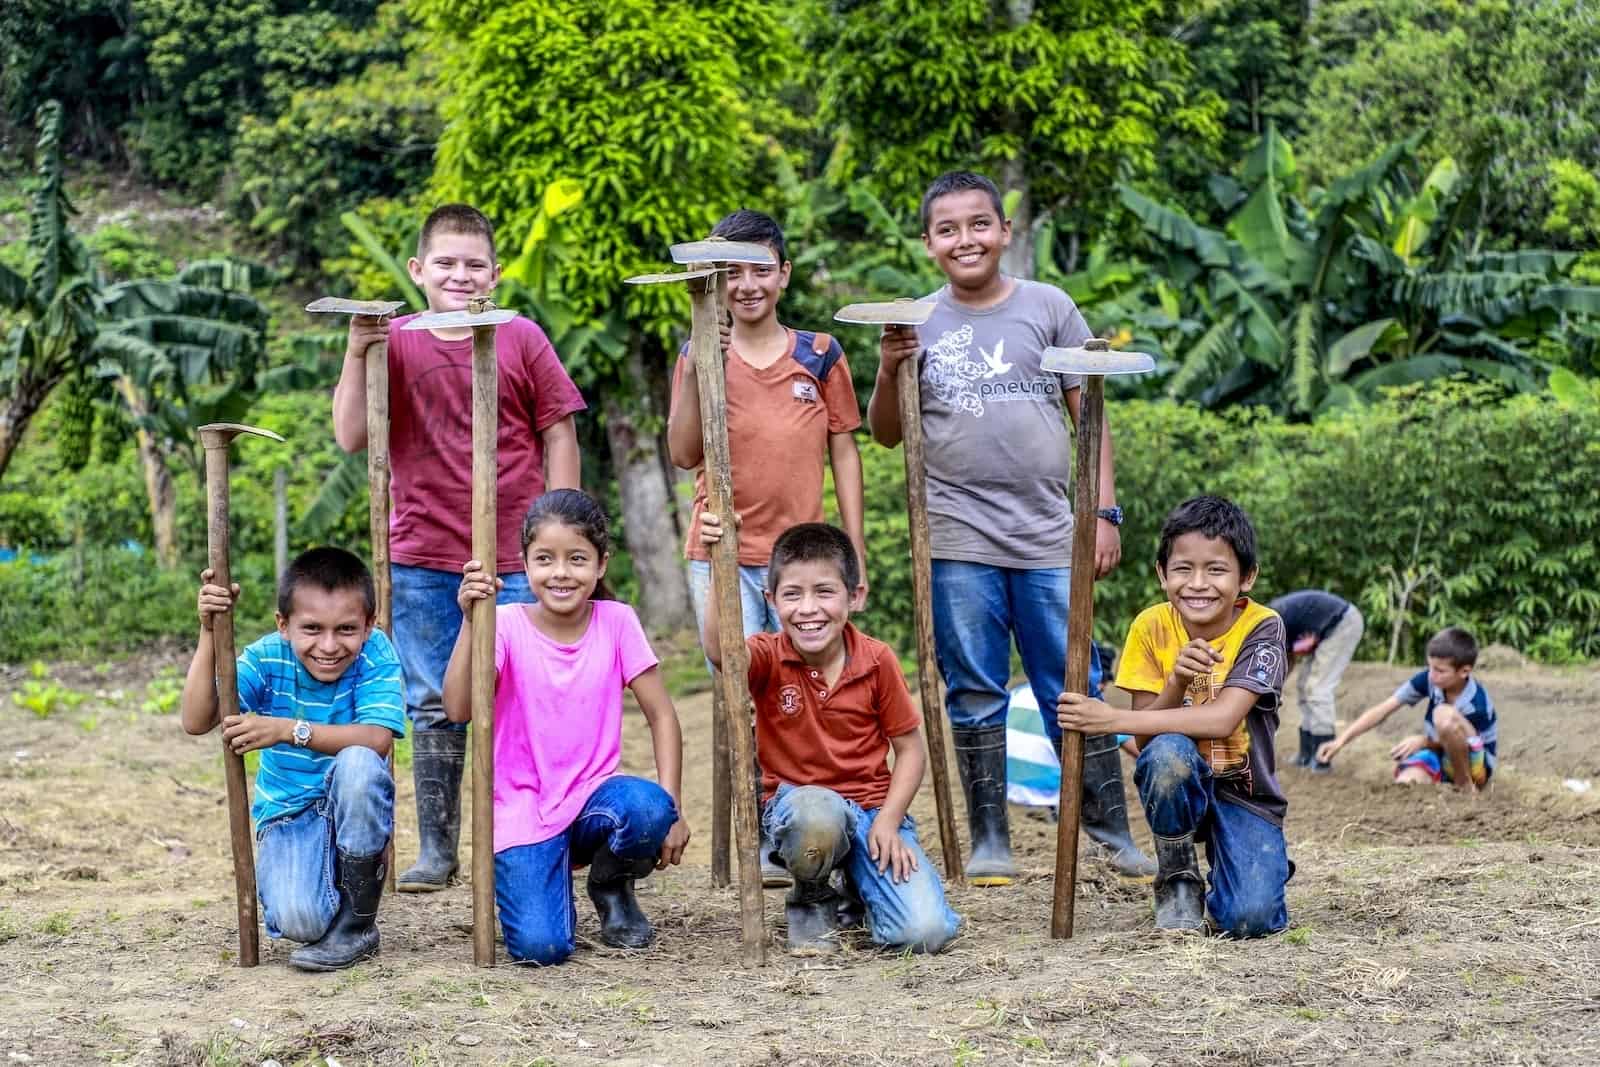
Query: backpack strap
{"points": [[816, 352]]}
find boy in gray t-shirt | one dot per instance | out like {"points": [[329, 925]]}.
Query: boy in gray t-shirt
{"points": [[999, 458]]}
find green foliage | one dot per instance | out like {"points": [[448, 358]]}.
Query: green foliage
{"points": [[123, 253], [45, 698], [1574, 219], [1306, 303], [1066, 96], [1442, 478], [656, 108], [85, 51], [163, 693], [1499, 85]]}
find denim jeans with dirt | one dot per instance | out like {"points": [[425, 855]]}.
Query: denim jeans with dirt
{"points": [[1248, 856], [426, 622], [911, 914], [533, 883], [295, 853]]}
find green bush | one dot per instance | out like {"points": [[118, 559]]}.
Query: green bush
{"points": [[1493, 505]]}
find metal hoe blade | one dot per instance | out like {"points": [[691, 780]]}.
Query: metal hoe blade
{"points": [[334, 305], [669, 277], [233, 429], [480, 311], [886, 313], [717, 250], [1095, 357]]}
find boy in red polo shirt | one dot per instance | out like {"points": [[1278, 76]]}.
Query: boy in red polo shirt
{"points": [[830, 703]]}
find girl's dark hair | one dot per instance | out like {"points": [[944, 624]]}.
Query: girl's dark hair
{"points": [[329, 569], [1211, 516], [579, 510]]}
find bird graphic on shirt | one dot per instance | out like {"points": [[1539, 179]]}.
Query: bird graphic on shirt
{"points": [[996, 363]]}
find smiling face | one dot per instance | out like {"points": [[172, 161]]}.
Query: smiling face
{"points": [[454, 268], [754, 289], [563, 569], [326, 628], [965, 238], [1202, 580], [813, 605]]}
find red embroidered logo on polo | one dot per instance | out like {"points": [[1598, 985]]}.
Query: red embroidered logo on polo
{"points": [[789, 700]]}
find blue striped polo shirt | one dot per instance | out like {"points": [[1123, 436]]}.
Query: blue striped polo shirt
{"points": [[1472, 702], [273, 681]]}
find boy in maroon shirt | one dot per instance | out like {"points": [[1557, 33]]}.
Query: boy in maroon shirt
{"points": [[830, 704]]}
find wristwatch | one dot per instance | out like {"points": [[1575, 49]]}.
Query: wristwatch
{"points": [[301, 734], [1113, 514]]}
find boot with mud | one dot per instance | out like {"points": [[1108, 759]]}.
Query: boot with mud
{"points": [[353, 934], [1180, 891], [436, 760], [611, 878], [1105, 813], [812, 910], [981, 759]]}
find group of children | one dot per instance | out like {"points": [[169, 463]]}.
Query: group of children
{"points": [[324, 696]]}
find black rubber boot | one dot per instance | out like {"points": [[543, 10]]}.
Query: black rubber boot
{"points": [[1180, 891], [812, 910], [436, 760], [611, 878], [1105, 812], [981, 759], [1308, 749], [852, 911], [353, 934], [1316, 765]]}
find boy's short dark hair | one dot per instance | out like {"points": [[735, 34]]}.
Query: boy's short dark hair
{"points": [[1454, 644], [812, 541], [455, 218], [756, 226], [329, 569], [1213, 516], [960, 181]]}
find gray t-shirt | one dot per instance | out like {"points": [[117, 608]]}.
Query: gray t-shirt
{"points": [[998, 442]]}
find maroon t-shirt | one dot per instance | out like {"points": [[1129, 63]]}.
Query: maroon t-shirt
{"points": [[430, 440]]}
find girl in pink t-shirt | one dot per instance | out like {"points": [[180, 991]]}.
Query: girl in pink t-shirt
{"points": [[561, 664]]}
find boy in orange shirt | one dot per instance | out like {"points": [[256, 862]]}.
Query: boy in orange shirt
{"points": [[790, 405], [830, 704]]}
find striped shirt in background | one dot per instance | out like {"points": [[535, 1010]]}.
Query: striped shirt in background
{"points": [[1472, 702], [272, 681]]}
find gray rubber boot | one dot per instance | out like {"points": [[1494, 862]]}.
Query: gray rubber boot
{"points": [[611, 878], [812, 911], [1180, 891], [1105, 812], [981, 759], [353, 934], [437, 757]]}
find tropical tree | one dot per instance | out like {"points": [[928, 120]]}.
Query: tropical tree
{"points": [[660, 111], [48, 313], [1302, 301], [1058, 99]]}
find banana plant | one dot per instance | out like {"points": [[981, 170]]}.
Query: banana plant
{"points": [[1307, 300]]}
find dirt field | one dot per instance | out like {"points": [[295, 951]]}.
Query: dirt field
{"points": [[1427, 927]]}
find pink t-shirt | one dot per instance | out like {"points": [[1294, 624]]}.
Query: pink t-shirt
{"points": [[430, 440], [558, 717]]}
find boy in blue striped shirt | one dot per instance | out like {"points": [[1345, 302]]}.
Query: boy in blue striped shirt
{"points": [[321, 699]]}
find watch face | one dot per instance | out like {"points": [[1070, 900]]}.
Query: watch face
{"points": [[302, 732]]}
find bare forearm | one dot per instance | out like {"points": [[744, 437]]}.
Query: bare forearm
{"points": [[1366, 721], [883, 410], [1108, 474], [910, 762], [685, 443], [848, 490], [458, 677], [666, 736], [350, 404], [562, 463], [331, 740], [199, 701]]}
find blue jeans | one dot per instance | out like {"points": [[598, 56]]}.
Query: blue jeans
{"points": [[977, 610], [426, 622], [759, 616], [1247, 853], [295, 853], [910, 914], [533, 883]]}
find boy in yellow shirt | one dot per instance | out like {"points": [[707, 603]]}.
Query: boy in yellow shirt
{"points": [[1205, 670]]}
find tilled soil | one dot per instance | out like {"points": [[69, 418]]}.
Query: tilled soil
{"points": [[1427, 926]]}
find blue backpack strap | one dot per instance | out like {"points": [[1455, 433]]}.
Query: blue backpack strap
{"points": [[816, 352]]}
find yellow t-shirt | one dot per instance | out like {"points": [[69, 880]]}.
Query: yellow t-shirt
{"points": [[1254, 658]]}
